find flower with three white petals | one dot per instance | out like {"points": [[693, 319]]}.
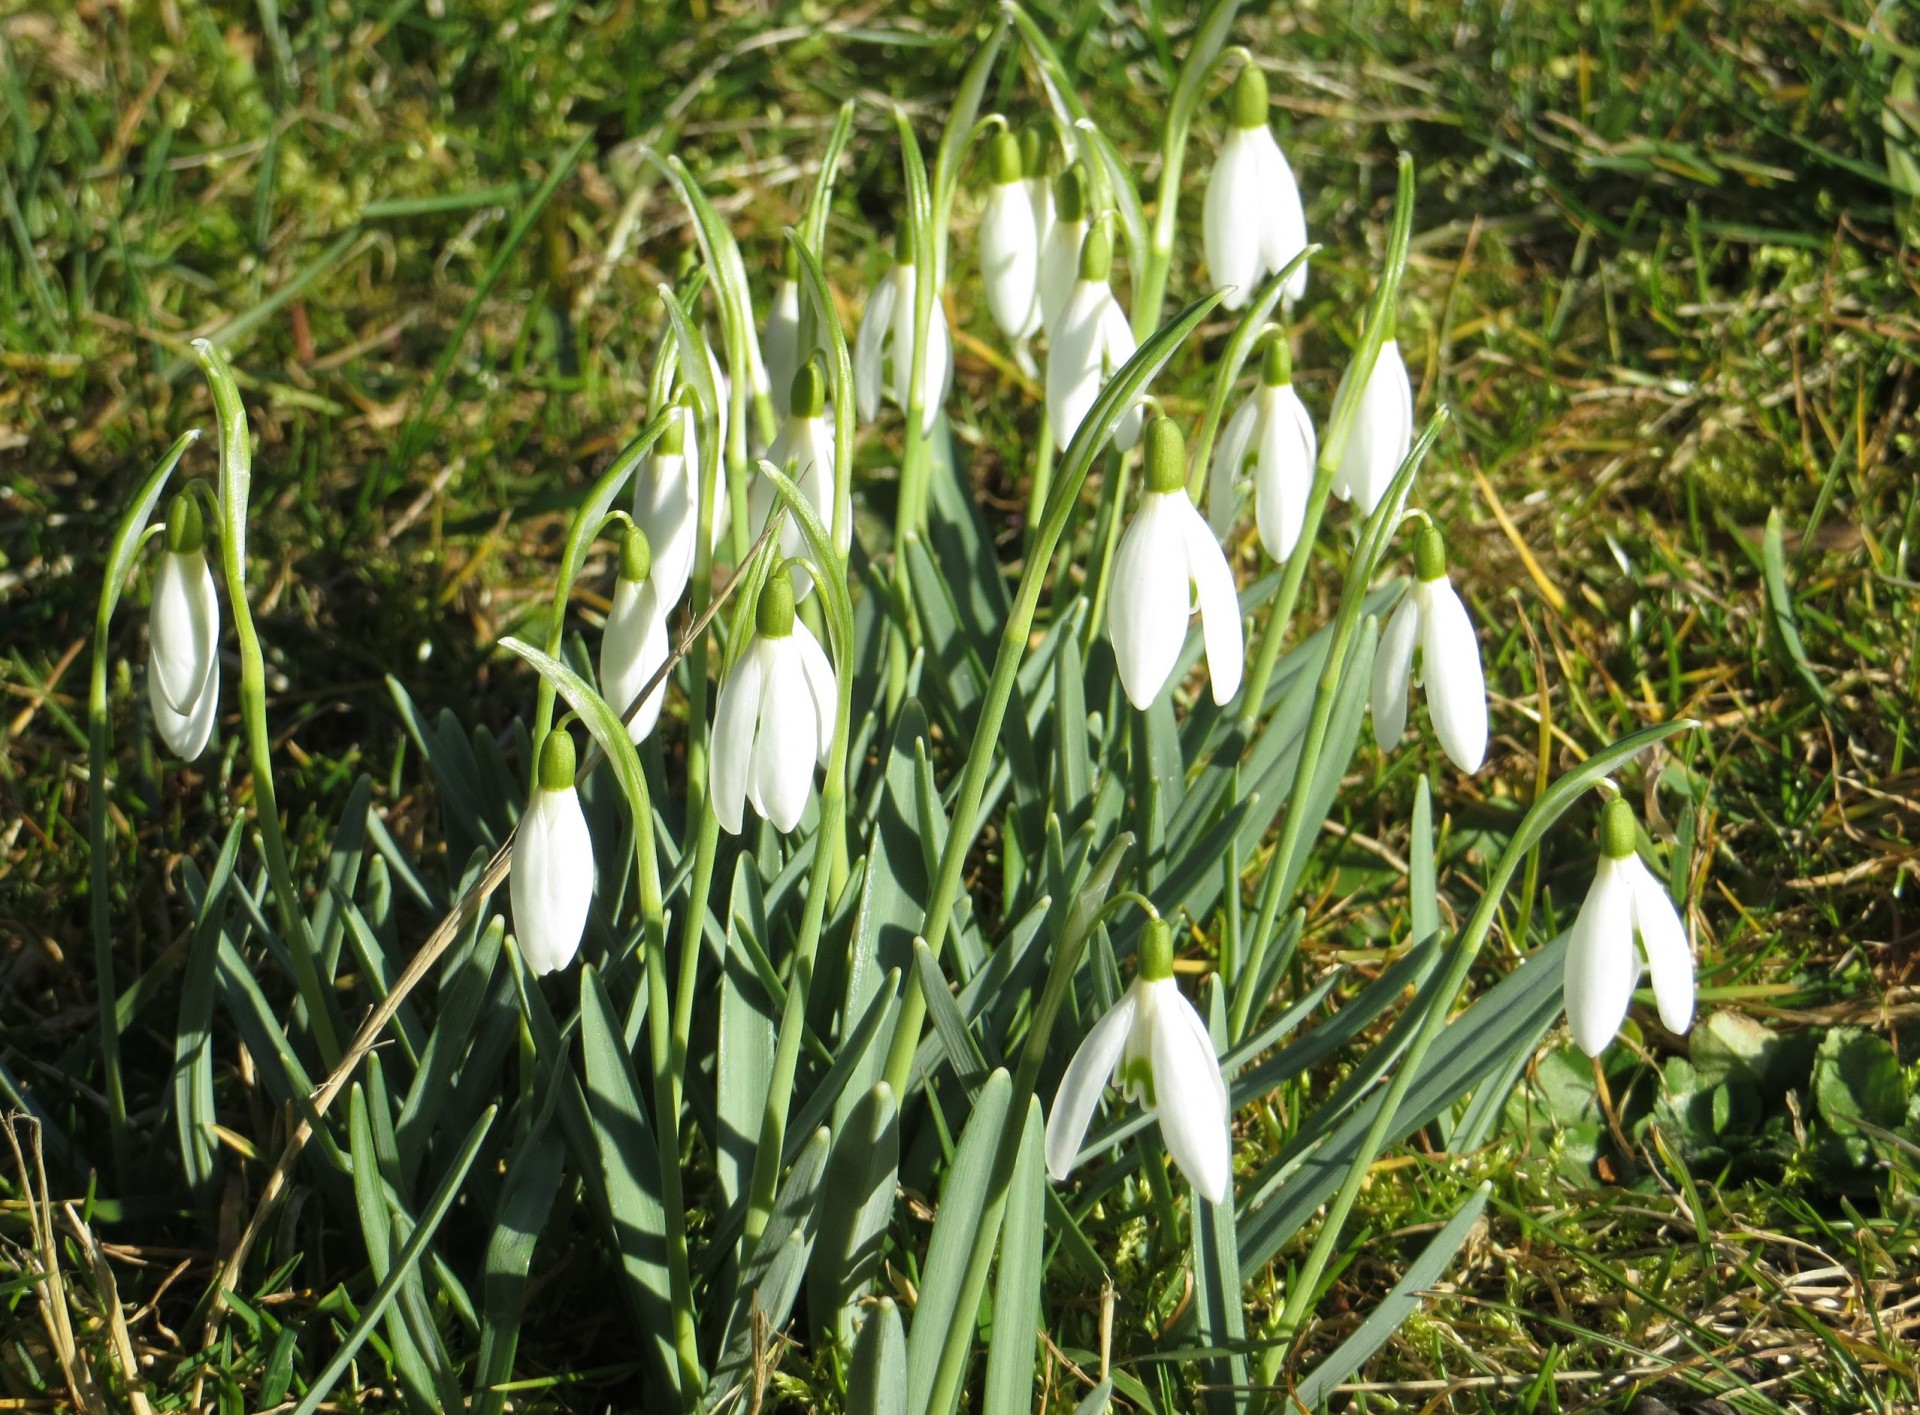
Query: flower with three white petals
{"points": [[1166, 549], [1252, 223], [1090, 341], [804, 453], [666, 503], [183, 636], [552, 880], [883, 349], [1432, 620], [1010, 244], [1060, 242], [780, 343], [1382, 431], [1155, 1047], [634, 644], [1272, 427], [1603, 967], [774, 721]]}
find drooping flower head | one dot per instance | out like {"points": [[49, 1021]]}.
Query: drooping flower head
{"points": [[1382, 432], [1010, 244], [774, 720], [1154, 1046], [1166, 555], [1253, 223], [634, 642], [1090, 340], [666, 504], [804, 452], [883, 349], [1603, 967], [1273, 428], [552, 878], [183, 636], [1065, 234], [1037, 151], [1433, 621]]}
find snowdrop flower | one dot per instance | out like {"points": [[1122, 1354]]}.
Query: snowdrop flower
{"points": [[1166, 548], [1010, 244], [1035, 144], [1060, 247], [775, 717], [1432, 619], [1252, 224], [1156, 1048], [1382, 432], [1274, 429], [1091, 339], [883, 350], [552, 880], [1603, 968], [804, 452], [634, 643], [666, 501], [183, 636], [780, 344]]}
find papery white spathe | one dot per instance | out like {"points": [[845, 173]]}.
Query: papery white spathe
{"points": [[1603, 966], [552, 879], [1010, 245], [780, 344], [1274, 427], [773, 723], [1166, 557], [183, 637], [1154, 1045], [1252, 223], [1382, 432], [1432, 619], [634, 642], [1090, 340], [883, 350]]}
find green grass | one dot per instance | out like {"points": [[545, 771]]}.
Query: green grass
{"points": [[1661, 273]]}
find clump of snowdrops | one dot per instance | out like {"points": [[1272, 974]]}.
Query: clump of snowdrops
{"points": [[975, 885]]}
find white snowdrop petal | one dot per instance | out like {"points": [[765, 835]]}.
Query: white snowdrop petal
{"points": [[937, 374], [1229, 220], [1282, 476], [186, 734], [1456, 686], [1382, 431], [1073, 360], [1190, 1098], [780, 345], [1664, 937], [1283, 226], [184, 629], [788, 740], [1117, 345], [817, 669], [736, 718], [1393, 673], [552, 879], [1601, 967], [1219, 600], [1085, 1078], [1059, 272], [1229, 458], [1147, 604], [870, 348], [632, 647], [1009, 257], [664, 507]]}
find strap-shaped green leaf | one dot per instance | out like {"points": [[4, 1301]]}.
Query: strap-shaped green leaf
{"points": [[1016, 1293]]}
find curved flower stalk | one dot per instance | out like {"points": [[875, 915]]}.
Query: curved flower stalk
{"points": [[666, 506], [1154, 1046], [1603, 967], [1060, 245], [780, 343], [774, 721], [634, 643], [1433, 620], [1382, 431], [883, 349], [1274, 428], [1010, 244], [1091, 339], [183, 655], [1252, 223], [552, 880], [1167, 548], [804, 450]]}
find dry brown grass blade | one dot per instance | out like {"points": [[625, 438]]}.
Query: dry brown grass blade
{"points": [[464, 911], [109, 1290], [48, 1286]]}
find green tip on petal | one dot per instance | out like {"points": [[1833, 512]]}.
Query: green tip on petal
{"points": [[1250, 98], [636, 555], [1007, 166], [1156, 951], [903, 245], [1070, 194], [673, 441], [809, 394], [1033, 150], [773, 616], [1618, 830], [1096, 256], [1166, 456], [186, 531], [1429, 553], [1276, 363], [557, 761]]}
